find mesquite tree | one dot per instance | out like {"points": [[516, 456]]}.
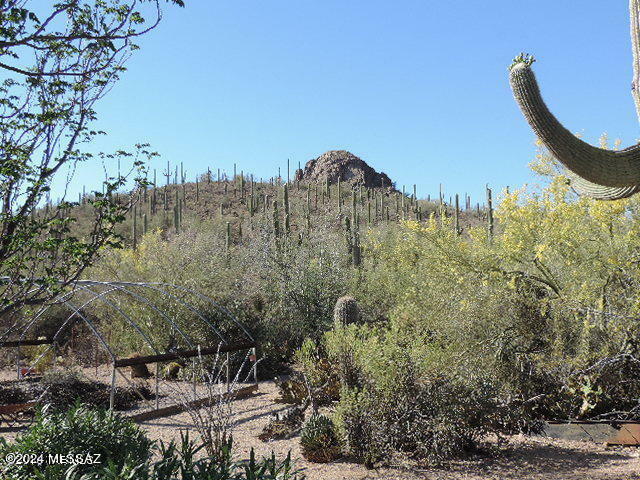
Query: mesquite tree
{"points": [[57, 60], [594, 172]]}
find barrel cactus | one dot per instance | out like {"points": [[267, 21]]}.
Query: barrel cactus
{"points": [[593, 172], [318, 440], [346, 311], [171, 371]]}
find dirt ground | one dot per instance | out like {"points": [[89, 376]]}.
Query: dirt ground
{"points": [[520, 457]]}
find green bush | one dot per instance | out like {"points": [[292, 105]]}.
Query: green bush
{"points": [[124, 453], [79, 431], [432, 419], [179, 462], [284, 294], [359, 427], [411, 393]]}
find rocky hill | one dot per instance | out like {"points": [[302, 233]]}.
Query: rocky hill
{"points": [[343, 165]]}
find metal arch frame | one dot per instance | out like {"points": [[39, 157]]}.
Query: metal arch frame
{"points": [[99, 296], [74, 311], [90, 287], [182, 302], [42, 309], [211, 301], [147, 302]]}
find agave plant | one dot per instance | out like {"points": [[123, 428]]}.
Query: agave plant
{"points": [[318, 440]]}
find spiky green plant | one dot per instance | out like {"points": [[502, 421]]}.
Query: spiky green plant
{"points": [[318, 440]]}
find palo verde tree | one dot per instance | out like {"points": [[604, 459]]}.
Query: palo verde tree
{"points": [[594, 172], [57, 60]]}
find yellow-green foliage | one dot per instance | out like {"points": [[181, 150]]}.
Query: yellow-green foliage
{"points": [[253, 280], [554, 291], [572, 260]]}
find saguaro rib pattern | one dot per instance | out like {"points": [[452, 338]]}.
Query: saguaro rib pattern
{"points": [[598, 173]]}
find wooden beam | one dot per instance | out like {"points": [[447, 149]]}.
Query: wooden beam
{"points": [[16, 407], [181, 407], [179, 354]]}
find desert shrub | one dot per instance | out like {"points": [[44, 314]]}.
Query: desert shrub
{"points": [[284, 293], [411, 397], [300, 284], [359, 428], [313, 381], [125, 452], [283, 424], [552, 294], [606, 389], [318, 439], [319, 374], [78, 431], [292, 390], [341, 347]]}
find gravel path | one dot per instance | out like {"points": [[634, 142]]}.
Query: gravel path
{"points": [[522, 458]]}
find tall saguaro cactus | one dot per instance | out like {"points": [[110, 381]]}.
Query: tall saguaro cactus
{"points": [[594, 172]]}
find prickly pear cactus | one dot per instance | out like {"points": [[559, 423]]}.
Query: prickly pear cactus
{"points": [[318, 440], [346, 311]]}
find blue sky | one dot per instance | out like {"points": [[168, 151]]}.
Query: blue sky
{"points": [[418, 89]]}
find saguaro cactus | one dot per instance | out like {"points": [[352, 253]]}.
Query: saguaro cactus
{"points": [[594, 172], [489, 214]]}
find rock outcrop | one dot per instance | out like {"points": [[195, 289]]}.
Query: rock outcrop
{"points": [[347, 167]]}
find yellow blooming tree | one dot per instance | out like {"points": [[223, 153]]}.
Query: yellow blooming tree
{"points": [[554, 292]]}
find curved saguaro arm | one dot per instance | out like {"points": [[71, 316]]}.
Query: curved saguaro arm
{"points": [[595, 172], [588, 189]]}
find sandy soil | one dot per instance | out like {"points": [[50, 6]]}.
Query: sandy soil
{"points": [[521, 457]]}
